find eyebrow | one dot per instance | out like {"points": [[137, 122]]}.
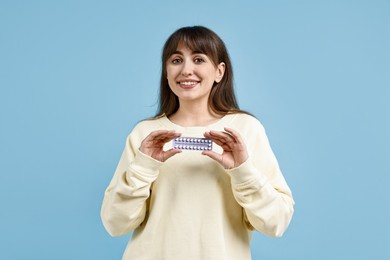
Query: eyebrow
{"points": [[193, 52]]}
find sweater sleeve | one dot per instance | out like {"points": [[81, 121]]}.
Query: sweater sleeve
{"points": [[260, 188], [125, 200]]}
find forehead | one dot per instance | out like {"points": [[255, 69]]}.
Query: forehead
{"points": [[185, 49], [195, 44]]}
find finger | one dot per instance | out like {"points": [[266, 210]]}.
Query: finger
{"points": [[157, 139], [171, 152], [166, 138], [169, 138], [235, 134], [159, 133], [240, 149], [161, 136], [231, 137], [225, 146], [219, 141], [213, 155], [213, 138], [153, 136], [223, 137]]}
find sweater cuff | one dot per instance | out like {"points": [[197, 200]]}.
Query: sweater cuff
{"points": [[145, 165], [245, 173]]}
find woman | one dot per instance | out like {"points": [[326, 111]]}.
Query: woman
{"points": [[191, 204]]}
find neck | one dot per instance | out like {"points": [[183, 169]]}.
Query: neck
{"points": [[192, 114]]}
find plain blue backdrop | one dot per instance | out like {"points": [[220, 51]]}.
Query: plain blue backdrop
{"points": [[76, 76]]}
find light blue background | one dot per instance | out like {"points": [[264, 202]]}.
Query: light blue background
{"points": [[76, 76]]}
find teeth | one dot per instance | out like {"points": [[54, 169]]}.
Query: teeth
{"points": [[188, 83]]}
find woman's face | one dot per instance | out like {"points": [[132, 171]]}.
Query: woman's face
{"points": [[191, 75]]}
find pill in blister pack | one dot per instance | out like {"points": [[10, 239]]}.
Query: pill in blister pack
{"points": [[191, 143]]}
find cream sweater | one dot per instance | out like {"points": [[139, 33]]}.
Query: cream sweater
{"points": [[190, 207]]}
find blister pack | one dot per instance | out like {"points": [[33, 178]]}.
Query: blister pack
{"points": [[191, 143]]}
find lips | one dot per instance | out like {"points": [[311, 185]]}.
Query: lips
{"points": [[188, 84]]}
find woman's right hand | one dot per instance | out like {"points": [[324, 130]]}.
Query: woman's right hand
{"points": [[153, 144]]}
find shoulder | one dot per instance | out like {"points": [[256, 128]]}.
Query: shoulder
{"points": [[252, 131], [245, 121], [149, 123], [144, 127], [250, 128]]}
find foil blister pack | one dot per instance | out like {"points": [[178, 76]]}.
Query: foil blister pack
{"points": [[191, 143]]}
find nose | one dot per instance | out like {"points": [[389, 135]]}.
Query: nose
{"points": [[187, 68]]}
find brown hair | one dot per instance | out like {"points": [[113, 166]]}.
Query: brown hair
{"points": [[222, 99]]}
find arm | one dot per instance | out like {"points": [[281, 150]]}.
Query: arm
{"points": [[257, 182], [126, 198], [266, 201]]}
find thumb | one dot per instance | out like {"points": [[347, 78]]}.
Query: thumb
{"points": [[213, 155], [170, 153]]}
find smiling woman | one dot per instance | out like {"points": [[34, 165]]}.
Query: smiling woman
{"points": [[211, 49], [184, 197], [191, 76]]}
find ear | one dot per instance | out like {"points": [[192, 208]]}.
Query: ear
{"points": [[220, 72]]}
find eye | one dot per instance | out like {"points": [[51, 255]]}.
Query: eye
{"points": [[176, 61], [199, 60]]}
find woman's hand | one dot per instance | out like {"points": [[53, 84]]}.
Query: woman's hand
{"points": [[234, 148], [153, 144]]}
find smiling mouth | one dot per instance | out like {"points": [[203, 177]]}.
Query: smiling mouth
{"points": [[188, 84]]}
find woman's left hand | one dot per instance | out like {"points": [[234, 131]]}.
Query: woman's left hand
{"points": [[234, 148]]}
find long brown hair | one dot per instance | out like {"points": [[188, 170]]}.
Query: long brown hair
{"points": [[222, 99]]}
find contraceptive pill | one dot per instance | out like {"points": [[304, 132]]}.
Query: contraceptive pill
{"points": [[191, 143]]}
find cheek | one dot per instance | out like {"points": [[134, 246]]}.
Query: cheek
{"points": [[171, 72], [170, 78]]}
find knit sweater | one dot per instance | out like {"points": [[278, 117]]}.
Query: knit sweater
{"points": [[190, 207]]}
